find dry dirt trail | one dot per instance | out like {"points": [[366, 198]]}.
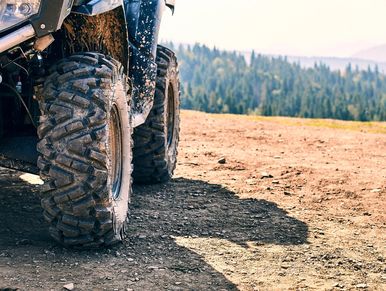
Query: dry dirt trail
{"points": [[294, 207]]}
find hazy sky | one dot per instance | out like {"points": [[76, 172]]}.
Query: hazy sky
{"points": [[293, 27]]}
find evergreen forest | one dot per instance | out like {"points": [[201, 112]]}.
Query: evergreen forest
{"points": [[218, 81]]}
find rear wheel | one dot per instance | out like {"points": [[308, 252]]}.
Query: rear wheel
{"points": [[85, 151], [156, 141]]}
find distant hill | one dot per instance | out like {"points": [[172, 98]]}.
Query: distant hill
{"points": [[376, 54], [334, 63], [363, 60], [338, 64]]}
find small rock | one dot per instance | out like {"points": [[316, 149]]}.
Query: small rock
{"points": [[287, 193], [251, 182], [23, 242], [153, 268], [275, 182], [376, 190], [362, 286], [69, 286], [338, 285], [285, 266], [265, 175], [222, 161]]}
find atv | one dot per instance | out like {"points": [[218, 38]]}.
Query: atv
{"points": [[89, 101]]}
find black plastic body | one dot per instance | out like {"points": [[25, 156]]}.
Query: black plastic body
{"points": [[139, 24]]}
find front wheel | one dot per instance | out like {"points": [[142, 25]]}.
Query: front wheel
{"points": [[156, 141], [85, 151]]}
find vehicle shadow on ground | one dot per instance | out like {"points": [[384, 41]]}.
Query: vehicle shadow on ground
{"points": [[195, 208], [21, 220], [150, 259]]}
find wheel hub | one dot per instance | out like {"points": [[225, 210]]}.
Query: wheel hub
{"points": [[115, 135], [170, 115]]}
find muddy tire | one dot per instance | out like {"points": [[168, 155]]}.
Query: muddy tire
{"points": [[156, 141], [85, 151]]}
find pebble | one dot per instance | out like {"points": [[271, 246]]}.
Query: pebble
{"points": [[285, 266], [24, 242], [153, 268], [338, 285], [362, 286], [265, 175], [251, 182], [69, 286], [222, 161]]}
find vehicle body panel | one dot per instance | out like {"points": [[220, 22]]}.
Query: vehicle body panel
{"points": [[126, 30]]}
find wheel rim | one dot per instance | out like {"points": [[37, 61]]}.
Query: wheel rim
{"points": [[115, 131], [170, 115]]}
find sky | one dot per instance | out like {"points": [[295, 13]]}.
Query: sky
{"points": [[338, 28]]}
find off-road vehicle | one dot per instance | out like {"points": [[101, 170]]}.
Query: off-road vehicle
{"points": [[88, 100]]}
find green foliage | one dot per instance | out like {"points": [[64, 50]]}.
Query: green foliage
{"points": [[223, 82]]}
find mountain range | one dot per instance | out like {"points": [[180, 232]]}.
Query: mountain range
{"points": [[372, 57], [376, 54]]}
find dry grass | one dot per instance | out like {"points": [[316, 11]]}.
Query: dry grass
{"points": [[367, 127]]}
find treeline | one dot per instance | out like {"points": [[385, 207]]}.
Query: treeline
{"points": [[224, 82]]}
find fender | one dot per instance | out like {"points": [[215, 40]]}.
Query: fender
{"points": [[143, 20], [95, 7], [101, 25]]}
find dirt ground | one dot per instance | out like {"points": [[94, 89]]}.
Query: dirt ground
{"points": [[294, 207]]}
